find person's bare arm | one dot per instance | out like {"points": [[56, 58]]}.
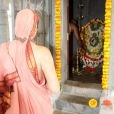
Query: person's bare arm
{"points": [[76, 33], [77, 36], [48, 68]]}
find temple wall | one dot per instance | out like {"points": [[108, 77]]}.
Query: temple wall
{"points": [[43, 10], [109, 94], [111, 63], [4, 25], [64, 67]]}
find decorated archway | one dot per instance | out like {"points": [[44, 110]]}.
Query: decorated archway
{"points": [[108, 7]]}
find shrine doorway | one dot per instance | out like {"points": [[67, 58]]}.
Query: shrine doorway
{"points": [[89, 10]]}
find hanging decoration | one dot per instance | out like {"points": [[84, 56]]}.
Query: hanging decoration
{"points": [[58, 38], [108, 13], [92, 36], [80, 16]]}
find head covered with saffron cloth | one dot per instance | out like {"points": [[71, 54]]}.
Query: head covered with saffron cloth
{"points": [[26, 24]]}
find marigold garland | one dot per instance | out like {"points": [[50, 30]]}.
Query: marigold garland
{"points": [[58, 38], [94, 51], [108, 13]]}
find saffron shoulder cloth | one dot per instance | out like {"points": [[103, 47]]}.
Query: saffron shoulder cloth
{"points": [[8, 76]]}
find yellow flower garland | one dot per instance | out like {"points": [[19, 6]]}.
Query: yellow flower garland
{"points": [[108, 8], [58, 38]]}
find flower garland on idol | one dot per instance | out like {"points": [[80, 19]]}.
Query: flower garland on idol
{"points": [[108, 13], [58, 38], [92, 35]]}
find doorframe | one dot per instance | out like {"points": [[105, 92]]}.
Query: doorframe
{"points": [[68, 41]]}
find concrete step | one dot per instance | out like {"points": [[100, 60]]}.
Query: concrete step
{"points": [[76, 104], [83, 89], [63, 112]]}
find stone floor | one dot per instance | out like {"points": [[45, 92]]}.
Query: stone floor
{"points": [[86, 78], [106, 110], [75, 97], [63, 112]]}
